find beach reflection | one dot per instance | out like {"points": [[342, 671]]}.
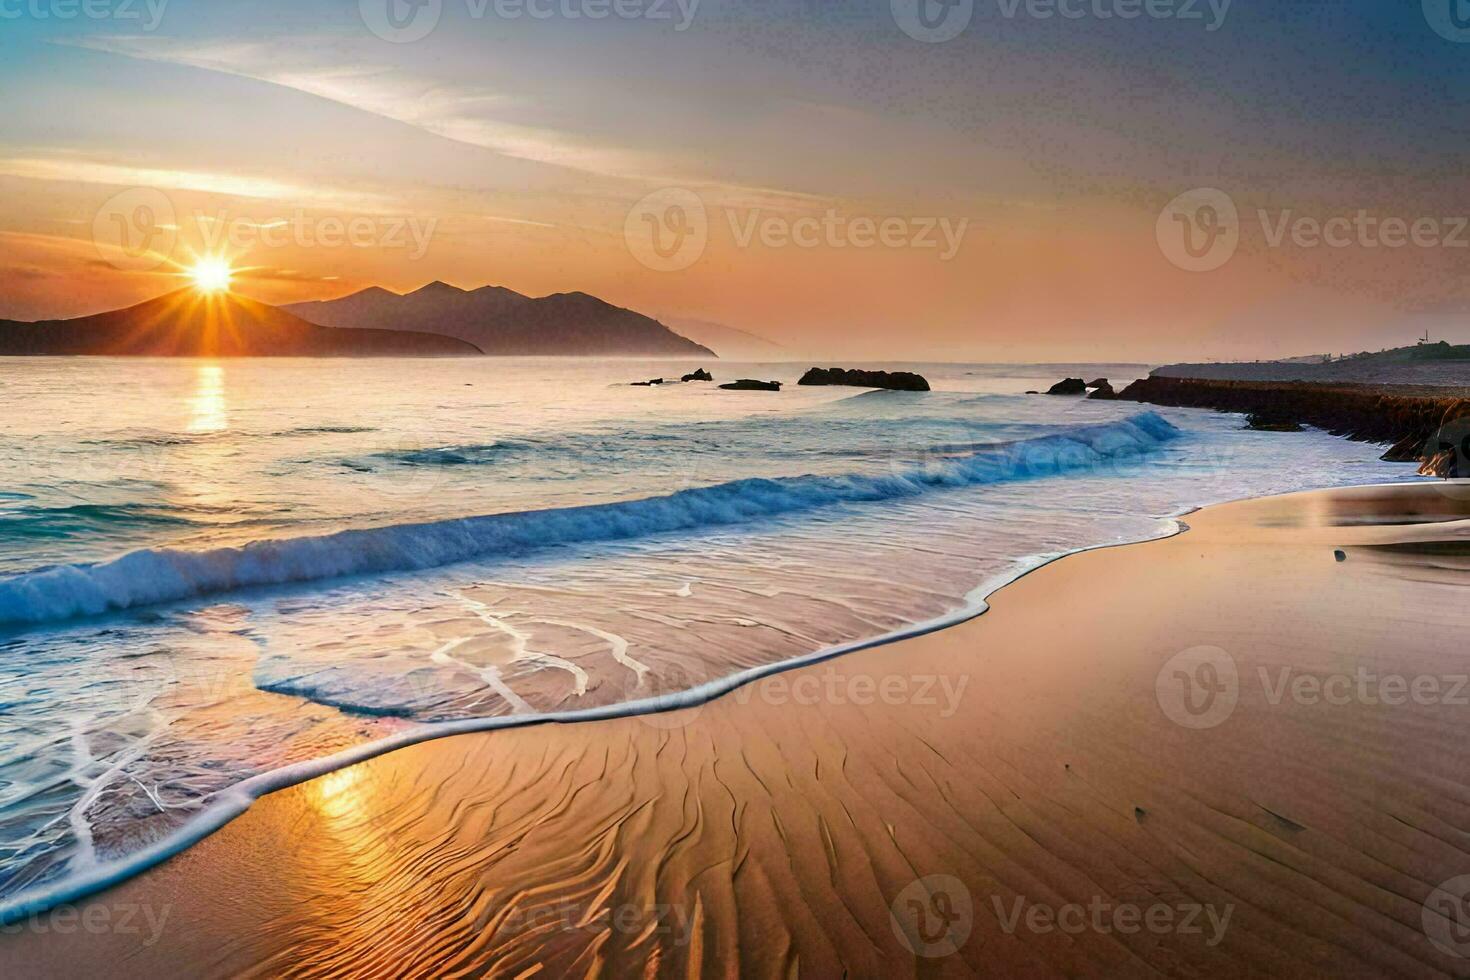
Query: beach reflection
{"points": [[205, 472], [339, 795], [207, 409]]}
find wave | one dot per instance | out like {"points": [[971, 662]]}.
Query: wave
{"points": [[77, 518], [237, 799], [152, 438], [467, 455], [149, 577], [589, 445], [315, 430]]}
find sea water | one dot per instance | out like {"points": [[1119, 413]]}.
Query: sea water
{"points": [[216, 575]]}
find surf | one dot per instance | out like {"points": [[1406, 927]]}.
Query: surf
{"points": [[150, 577]]}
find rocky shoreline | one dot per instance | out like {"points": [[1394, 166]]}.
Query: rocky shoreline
{"points": [[1420, 425]]}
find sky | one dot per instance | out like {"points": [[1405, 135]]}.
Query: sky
{"points": [[990, 180]]}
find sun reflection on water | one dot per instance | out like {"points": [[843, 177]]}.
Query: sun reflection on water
{"points": [[207, 410], [340, 793]]}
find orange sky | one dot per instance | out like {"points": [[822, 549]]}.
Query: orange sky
{"points": [[863, 193]]}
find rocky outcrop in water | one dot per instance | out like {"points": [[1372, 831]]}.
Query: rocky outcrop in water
{"points": [[890, 380], [750, 384], [1101, 389], [699, 375], [1068, 386], [1421, 425]]}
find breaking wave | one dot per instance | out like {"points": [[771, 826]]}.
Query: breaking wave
{"points": [[148, 577]]}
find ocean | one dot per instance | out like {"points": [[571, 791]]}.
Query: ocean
{"points": [[220, 577]]}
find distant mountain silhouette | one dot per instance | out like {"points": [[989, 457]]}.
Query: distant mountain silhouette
{"points": [[501, 321], [187, 323], [732, 343]]}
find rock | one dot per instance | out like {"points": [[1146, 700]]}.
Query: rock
{"points": [[891, 380], [1103, 391], [1068, 386], [1099, 383], [1421, 425], [699, 375], [749, 384], [1268, 423], [1033, 391], [1409, 449]]}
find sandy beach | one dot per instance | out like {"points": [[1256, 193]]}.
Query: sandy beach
{"points": [[671, 489], [1234, 752]]}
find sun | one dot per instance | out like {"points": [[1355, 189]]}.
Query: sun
{"points": [[211, 275]]}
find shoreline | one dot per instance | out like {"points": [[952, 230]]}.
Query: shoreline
{"points": [[737, 729], [245, 794]]}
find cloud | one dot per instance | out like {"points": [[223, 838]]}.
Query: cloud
{"points": [[464, 114], [470, 115], [68, 166], [502, 219], [81, 170], [35, 239], [264, 274]]}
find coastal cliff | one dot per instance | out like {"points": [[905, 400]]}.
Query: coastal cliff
{"points": [[1421, 424]]}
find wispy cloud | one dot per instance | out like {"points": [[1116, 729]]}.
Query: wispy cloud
{"points": [[470, 115], [85, 171], [43, 163], [501, 219], [473, 116], [265, 274]]}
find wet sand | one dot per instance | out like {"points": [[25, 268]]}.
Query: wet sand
{"points": [[1240, 751]]}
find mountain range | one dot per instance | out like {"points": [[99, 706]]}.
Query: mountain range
{"points": [[733, 344], [504, 322], [187, 323]]}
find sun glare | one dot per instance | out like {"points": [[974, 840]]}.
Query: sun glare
{"points": [[211, 275]]}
